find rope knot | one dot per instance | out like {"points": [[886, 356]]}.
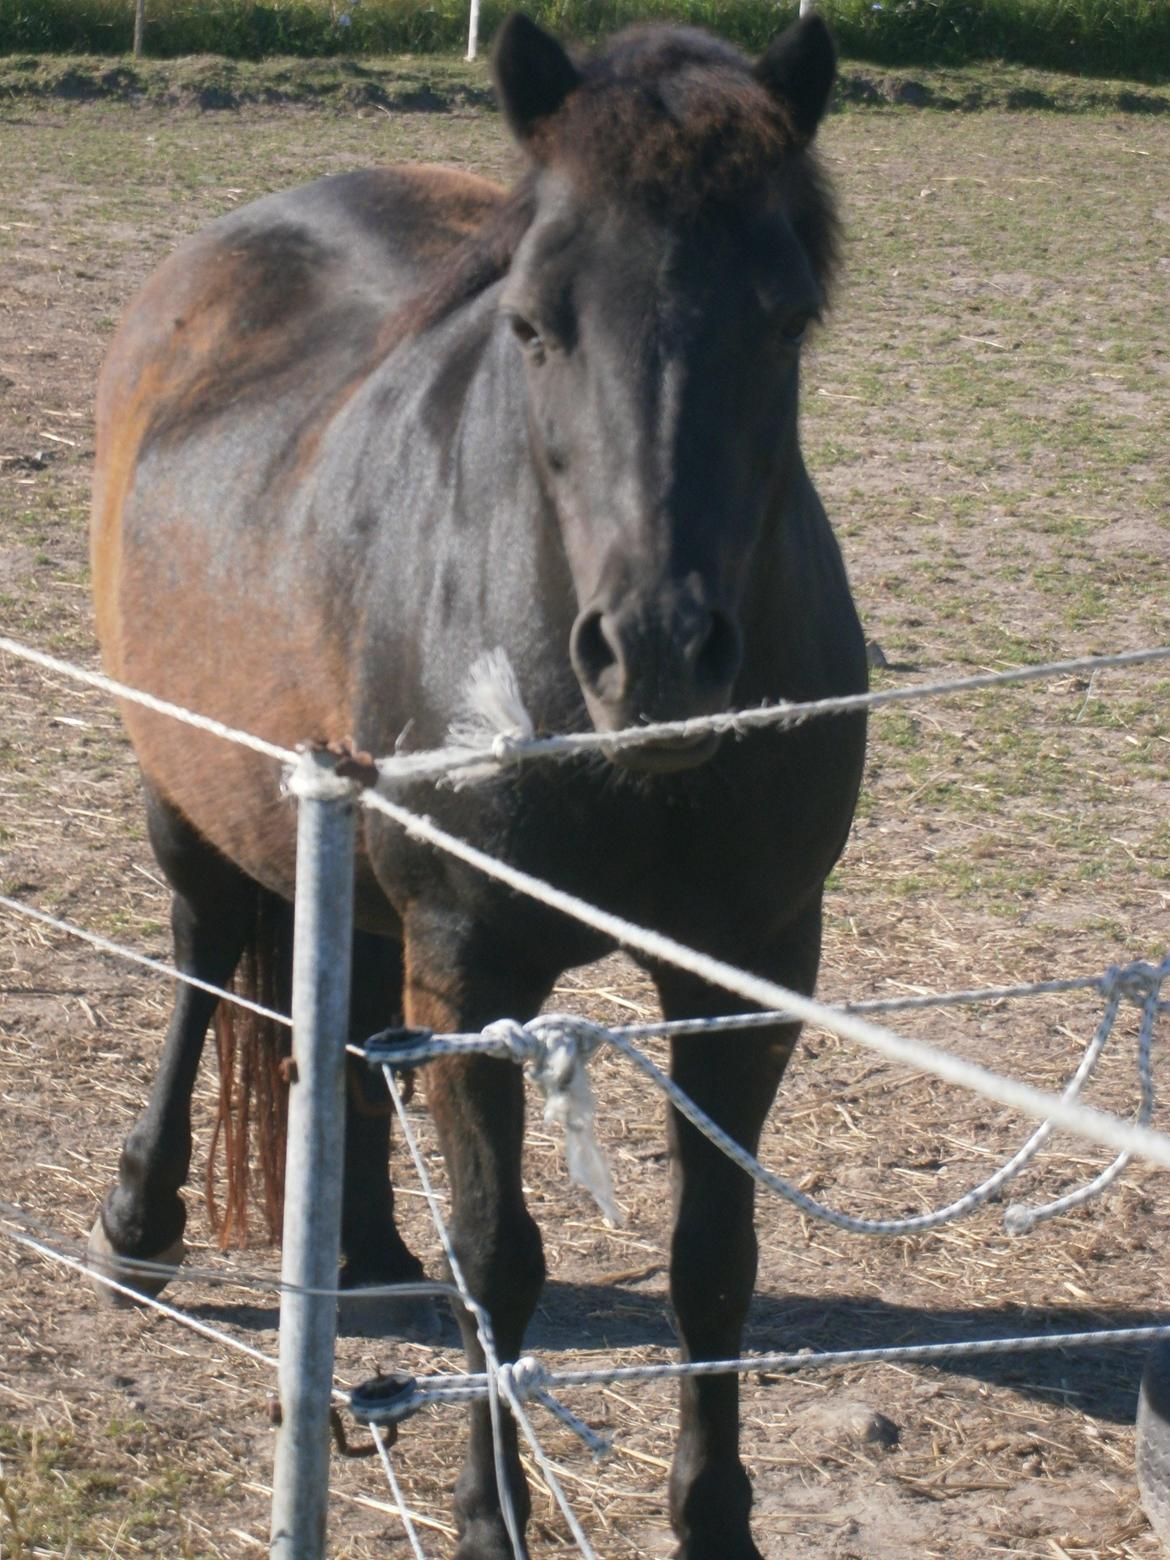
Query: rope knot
{"points": [[505, 749], [1137, 981], [515, 1039], [553, 1049], [563, 1043], [527, 1377]]}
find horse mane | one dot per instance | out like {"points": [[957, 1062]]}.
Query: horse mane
{"points": [[668, 117], [476, 262]]}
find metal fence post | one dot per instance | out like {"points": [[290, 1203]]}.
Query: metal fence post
{"points": [[139, 27], [313, 1170]]}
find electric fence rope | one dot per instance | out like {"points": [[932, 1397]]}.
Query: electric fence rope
{"points": [[341, 1395], [1095, 1125], [476, 761], [159, 966], [148, 701], [527, 1378], [414, 1394], [530, 1045], [485, 758], [205, 1329], [499, 1378], [412, 1537]]}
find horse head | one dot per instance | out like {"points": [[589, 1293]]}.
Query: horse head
{"points": [[680, 243]]}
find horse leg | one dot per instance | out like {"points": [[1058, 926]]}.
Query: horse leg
{"points": [[478, 1107], [373, 1252], [213, 911], [713, 1248]]}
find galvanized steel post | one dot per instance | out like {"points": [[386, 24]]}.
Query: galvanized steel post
{"points": [[313, 1171]]}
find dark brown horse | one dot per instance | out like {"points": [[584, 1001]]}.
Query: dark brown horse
{"points": [[352, 437]]}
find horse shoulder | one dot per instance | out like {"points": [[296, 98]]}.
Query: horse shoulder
{"points": [[280, 309]]}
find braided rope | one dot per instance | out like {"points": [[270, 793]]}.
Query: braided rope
{"points": [[1087, 1122], [147, 701], [479, 760], [159, 966], [470, 1387], [523, 1042]]}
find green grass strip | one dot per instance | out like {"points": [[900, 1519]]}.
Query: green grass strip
{"points": [[1116, 38]]}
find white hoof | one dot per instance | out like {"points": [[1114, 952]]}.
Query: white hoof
{"points": [[104, 1260]]}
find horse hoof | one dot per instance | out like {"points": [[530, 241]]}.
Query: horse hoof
{"points": [[381, 1315], [104, 1260], [486, 1540]]}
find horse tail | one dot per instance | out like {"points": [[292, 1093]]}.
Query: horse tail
{"points": [[251, 1121]]}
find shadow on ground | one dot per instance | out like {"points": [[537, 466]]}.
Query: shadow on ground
{"points": [[1100, 1382]]}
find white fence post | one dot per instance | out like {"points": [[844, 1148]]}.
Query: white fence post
{"points": [[473, 30], [313, 1174]]}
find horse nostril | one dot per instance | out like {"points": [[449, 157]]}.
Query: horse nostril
{"points": [[596, 653], [719, 653]]}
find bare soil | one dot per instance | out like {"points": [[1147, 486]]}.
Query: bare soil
{"points": [[986, 415]]}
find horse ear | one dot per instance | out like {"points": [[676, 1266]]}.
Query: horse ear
{"points": [[798, 68], [533, 73]]}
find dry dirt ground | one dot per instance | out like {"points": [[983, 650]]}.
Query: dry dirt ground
{"points": [[987, 416]]}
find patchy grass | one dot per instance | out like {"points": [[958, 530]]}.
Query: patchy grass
{"points": [[427, 82], [56, 1500]]}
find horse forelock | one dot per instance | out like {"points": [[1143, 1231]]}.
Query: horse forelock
{"points": [[672, 118], [665, 117]]}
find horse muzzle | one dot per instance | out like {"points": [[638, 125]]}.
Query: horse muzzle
{"points": [[649, 659]]}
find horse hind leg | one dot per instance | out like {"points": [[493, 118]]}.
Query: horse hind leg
{"points": [[213, 913]]}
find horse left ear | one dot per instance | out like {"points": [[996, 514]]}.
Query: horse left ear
{"points": [[533, 74], [798, 68]]}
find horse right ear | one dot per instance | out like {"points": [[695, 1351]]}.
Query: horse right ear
{"points": [[533, 74]]}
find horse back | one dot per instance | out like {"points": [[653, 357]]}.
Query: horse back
{"points": [[216, 393]]}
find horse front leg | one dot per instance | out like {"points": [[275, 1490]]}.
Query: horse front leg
{"points": [[373, 1252], [477, 1104], [713, 1247]]}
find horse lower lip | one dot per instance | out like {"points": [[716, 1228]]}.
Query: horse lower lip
{"points": [[666, 754]]}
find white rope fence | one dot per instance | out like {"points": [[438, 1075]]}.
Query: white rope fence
{"points": [[50, 1249], [120, 951], [1095, 1125], [465, 762], [555, 1049]]}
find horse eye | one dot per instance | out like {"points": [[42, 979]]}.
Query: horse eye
{"points": [[795, 328], [527, 335]]}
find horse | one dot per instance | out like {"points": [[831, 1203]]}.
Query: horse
{"points": [[353, 437]]}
